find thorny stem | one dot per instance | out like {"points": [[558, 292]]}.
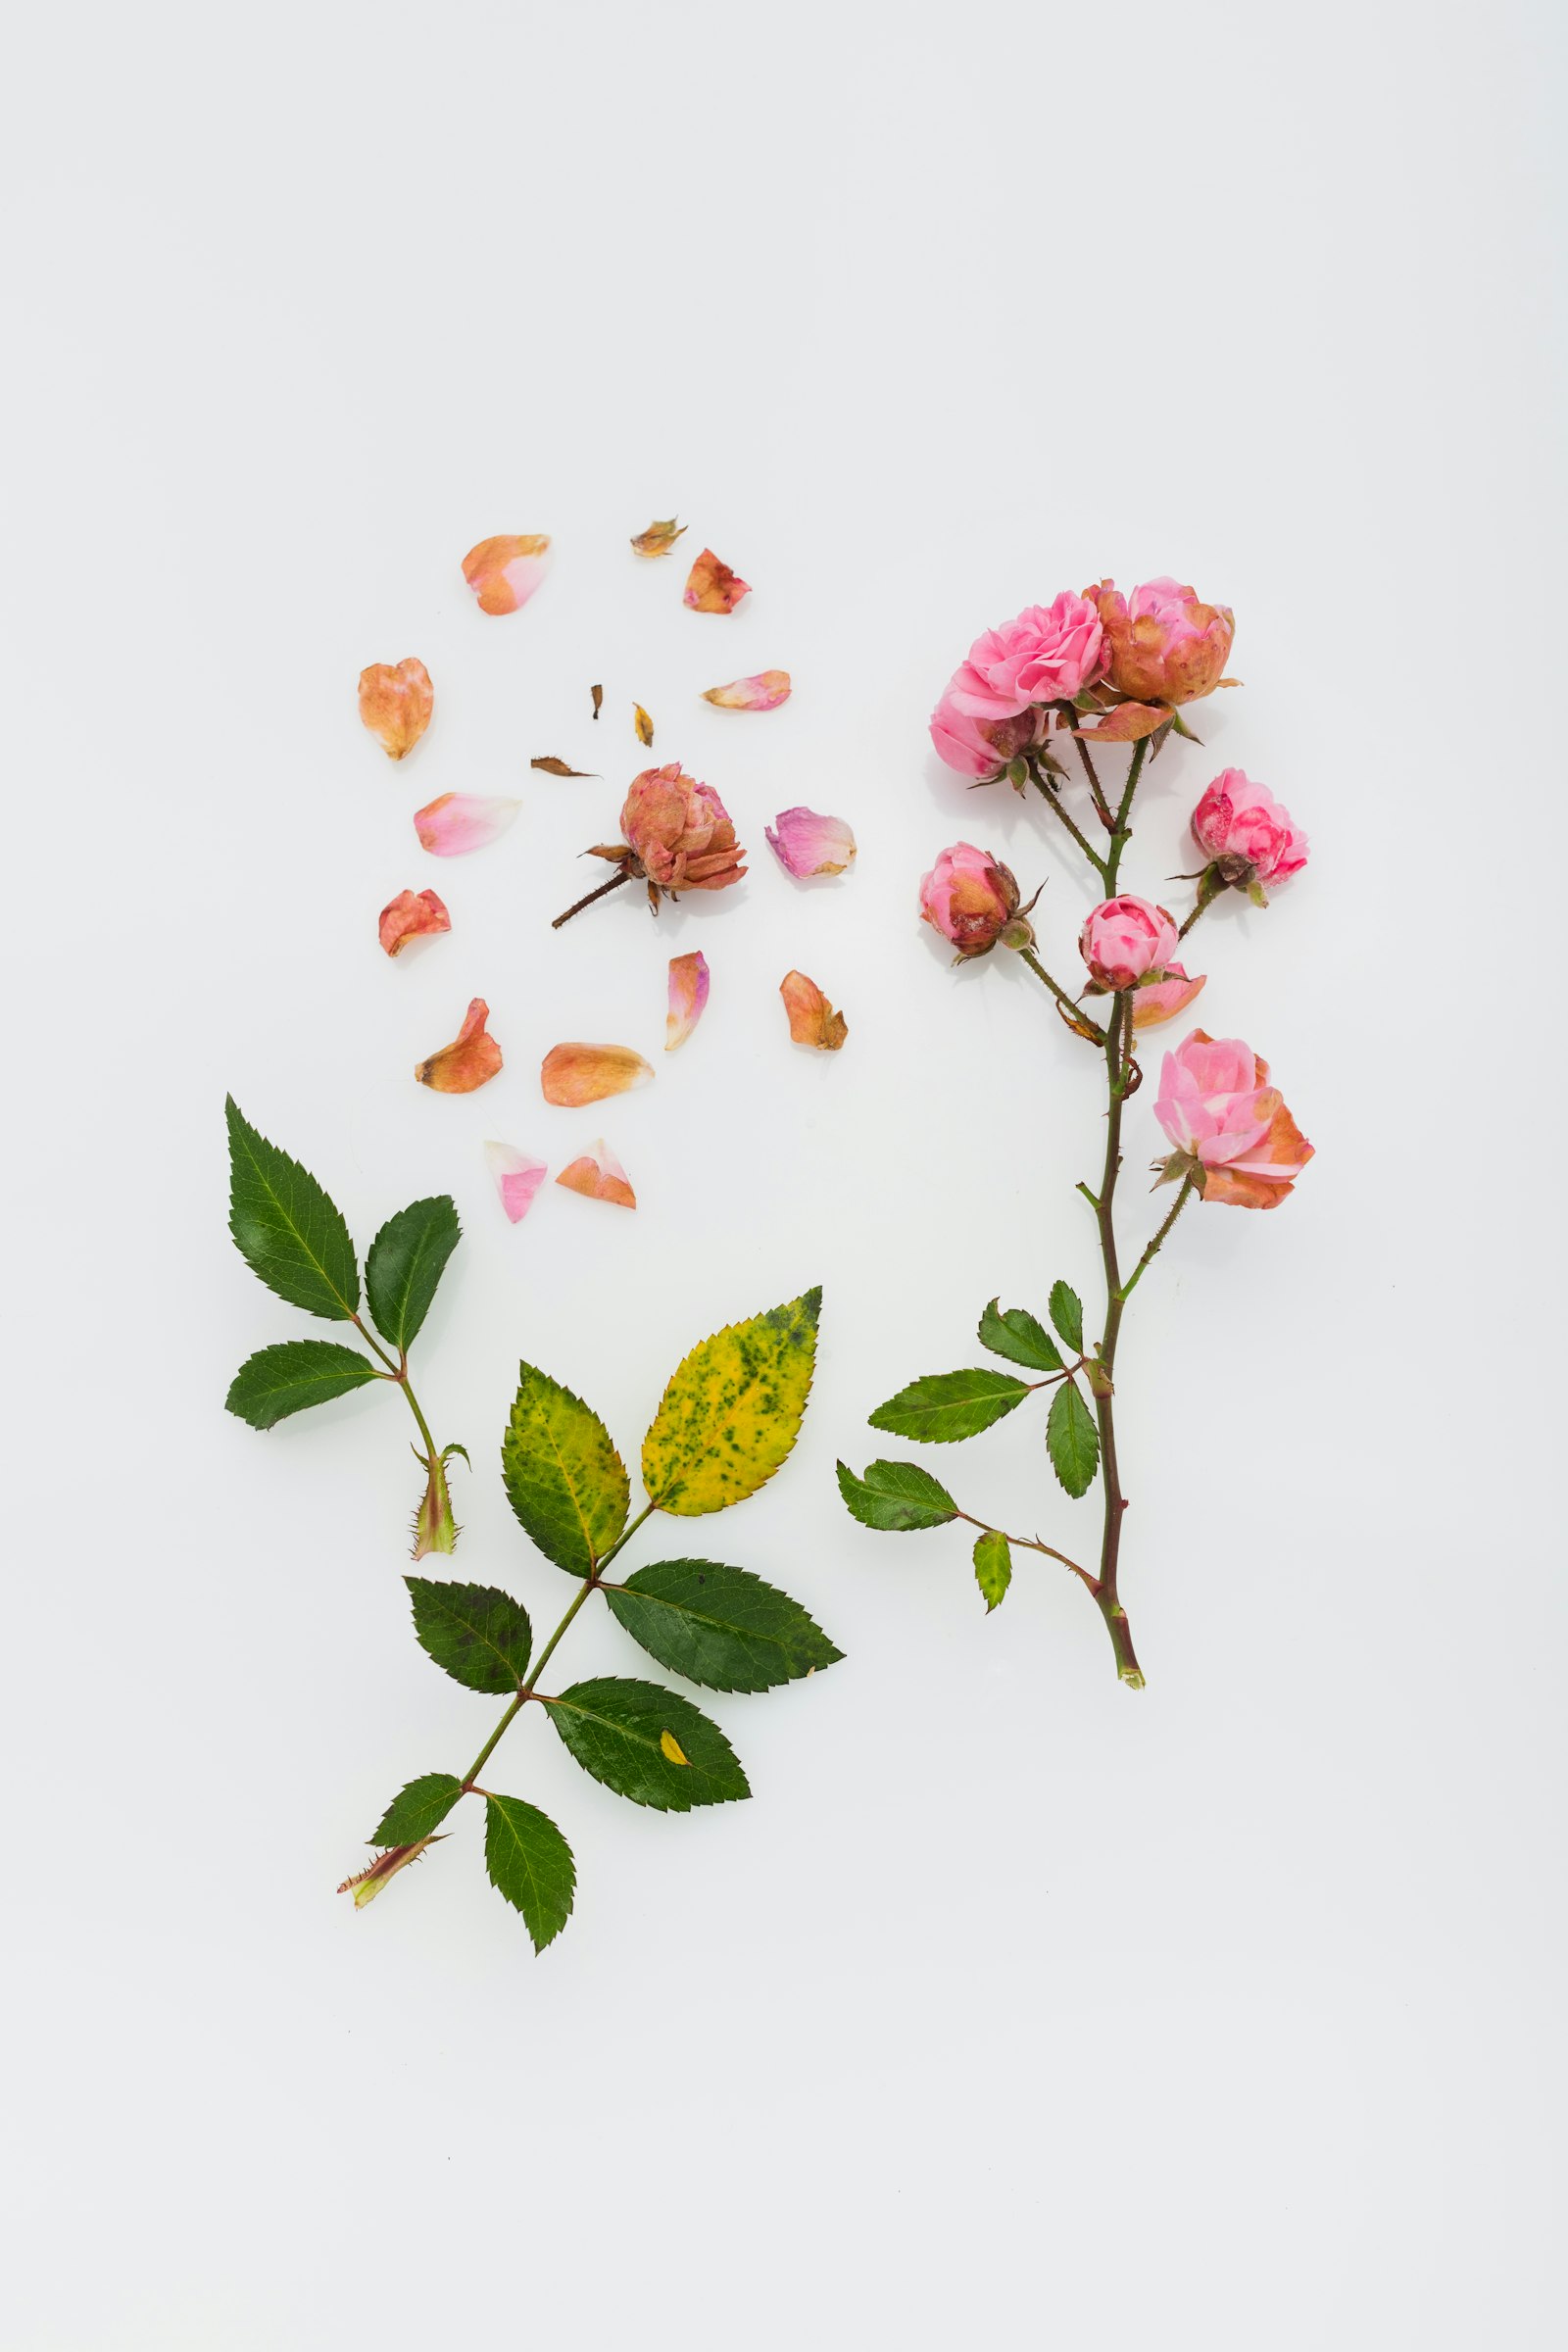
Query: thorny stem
{"points": [[1081, 838], [588, 897], [399, 1375], [1118, 1054], [1189, 1188], [1070, 718], [1209, 890], [1032, 1544], [1061, 993]]}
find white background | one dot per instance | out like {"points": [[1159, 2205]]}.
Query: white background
{"points": [[1015, 2009]]}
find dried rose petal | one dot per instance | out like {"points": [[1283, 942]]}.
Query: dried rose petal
{"points": [[688, 993], [1163, 999], [460, 821], [396, 699], [658, 538], [505, 572], [517, 1178], [412, 914], [764, 692], [711, 586], [573, 1075], [807, 844], [643, 724], [1129, 723], [472, 1057], [599, 1176], [812, 1019]]}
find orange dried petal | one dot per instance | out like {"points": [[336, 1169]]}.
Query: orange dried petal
{"points": [[573, 1075], [658, 538], [711, 586], [396, 699], [599, 1176], [764, 692], [503, 572], [412, 914], [688, 995], [472, 1059], [1129, 723], [812, 1019]]}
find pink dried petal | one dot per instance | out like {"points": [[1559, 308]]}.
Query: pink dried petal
{"points": [[688, 993], [396, 699], [412, 914], [469, 1061], [460, 821], [505, 572], [764, 692], [1163, 999], [599, 1176], [806, 844], [517, 1178], [812, 1019], [711, 586], [573, 1075], [1129, 723]]}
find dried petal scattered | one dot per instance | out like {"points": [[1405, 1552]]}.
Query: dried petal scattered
{"points": [[460, 821], [599, 1176], [688, 995], [812, 1019], [471, 1061], [517, 1177], [503, 572], [711, 586], [573, 1074], [396, 699], [806, 844], [658, 538], [550, 766], [643, 724], [764, 692], [412, 914]]}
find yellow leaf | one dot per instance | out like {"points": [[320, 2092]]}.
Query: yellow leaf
{"points": [[732, 1411], [672, 1748], [643, 724]]}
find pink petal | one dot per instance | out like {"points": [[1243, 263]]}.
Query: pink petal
{"points": [[505, 572], [1162, 1000], [460, 821], [412, 914], [807, 844], [1128, 723], [573, 1075], [396, 699], [599, 1176], [517, 1178], [688, 995], [764, 692], [472, 1059]]}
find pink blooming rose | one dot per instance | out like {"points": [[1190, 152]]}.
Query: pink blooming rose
{"points": [[1232, 1132], [983, 747], [971, 900], [1241, 826], [1045, 655], [678, 832], [1124, 939], [1161, 644]]}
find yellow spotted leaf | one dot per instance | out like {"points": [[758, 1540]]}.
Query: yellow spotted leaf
{"points": [[671, 1746], [732, 1412]]}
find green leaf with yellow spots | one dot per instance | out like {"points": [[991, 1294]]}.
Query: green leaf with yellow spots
{"points": [[563, 1474], [732, 1412]]}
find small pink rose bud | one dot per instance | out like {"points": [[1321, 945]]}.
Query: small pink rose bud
{"points": [[678, 834], [983, 747], [1162, 645], [1232, 1132], [1124, 939], [1241, 827], [971, 900]]}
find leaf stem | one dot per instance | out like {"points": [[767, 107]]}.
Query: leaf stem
{"points": [[1080, 1017], [1033, 1544]]}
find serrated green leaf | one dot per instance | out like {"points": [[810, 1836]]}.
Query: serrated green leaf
{"points": [[732, 1411], [285, 1227], [531, 1863], [945, 1406], [563, 1478], [896, 1496], [992, 1565], [478, 1635], [405, 1263], [1013, 1332], [293, 1376], [647, 1744], [1067, 1314], [1072, 1440], [417, 1808], [722, 1626]]}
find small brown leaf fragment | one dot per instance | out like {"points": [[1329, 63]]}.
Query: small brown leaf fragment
{"points": [[643, 724], [812, 1019], [552, 767], [597, 694], [658, 538]]}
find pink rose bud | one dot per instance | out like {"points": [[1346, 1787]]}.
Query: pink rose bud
{"points": [[1161, 644], [1241, 828], [972, 900], [983, 747], [1126, 938], [678, 833], [1047, 654], [1232, 1135]]}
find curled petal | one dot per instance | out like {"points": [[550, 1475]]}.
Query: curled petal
{"points": [[1263, 1175], [573, 1075], [658, 538], [764, 692], [711, 586], [396, 699], [516, 1177], [1163, 999], [806, 844], [643, 726], [505, 572], [460, 821], [472, 1057], [366, 1885], [688, 993], [412, 914], [1129, 723], [599, 1176], [812, 1019]]}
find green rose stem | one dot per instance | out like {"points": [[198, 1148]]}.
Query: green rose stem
{"points": [[1051, 801], [1209, 890], [1080, 1019]]}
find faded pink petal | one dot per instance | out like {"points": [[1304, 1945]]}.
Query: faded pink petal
{"points": [[460, 821], [412, 914], [396, 699], [573, 1075], [812, 1019], [764, 692], [472, 1059], [806, 844], [517, 1178], [688, 995], [711, 586], [1128, 723], [599, 1176], [1163, 999], [505, 572]]}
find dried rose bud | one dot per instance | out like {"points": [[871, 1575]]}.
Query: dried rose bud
{"points": [[1163, 645], [972, 900], [678, 835]]}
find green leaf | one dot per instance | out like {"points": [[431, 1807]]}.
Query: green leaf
{"points": [[732, 1411], [945, 1406], [531, 1863], [407, 1259], [563, 1477], [992, 1565], [1072, 1440], [480, 1637], [1067, 1314], [718, 1626], [293, 1376], [648, 1744], [895, 1496], [1015, 1333], [285, 1228], [417, 1809]]}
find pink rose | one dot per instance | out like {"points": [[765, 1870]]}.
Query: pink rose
{"points": [[971, 899], [1241, 825], [678, 832], [1045, 656], [983, 747], [1232, 1132], [1161, 644], [1124, 939]]}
